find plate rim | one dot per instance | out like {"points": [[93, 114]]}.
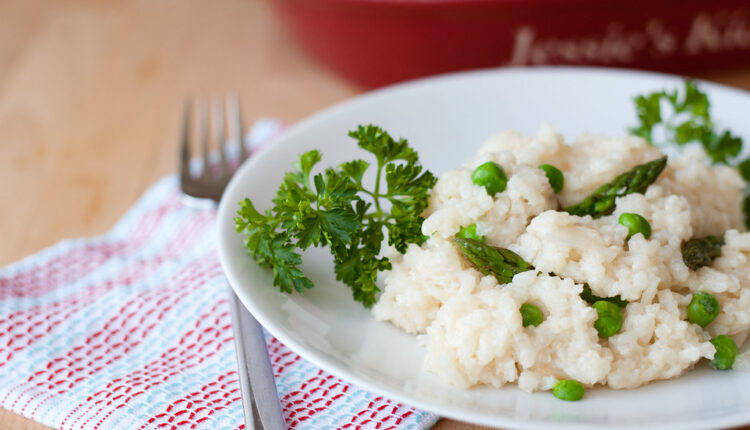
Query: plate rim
{"points": [[226, 211]]}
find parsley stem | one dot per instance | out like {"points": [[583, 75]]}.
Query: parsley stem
{"points": [[376, 194]]}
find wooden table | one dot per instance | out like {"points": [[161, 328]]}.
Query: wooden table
{"points": [[90, 97]]}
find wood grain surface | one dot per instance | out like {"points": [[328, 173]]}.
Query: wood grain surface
{"points": [[90, 98]]}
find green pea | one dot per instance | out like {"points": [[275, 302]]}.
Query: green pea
{"points": [[490, 176], [567, 389], [726, 352], [554, 176], [635, 224], [610, 318], [470, 232], [703, 309], [531, 315]]}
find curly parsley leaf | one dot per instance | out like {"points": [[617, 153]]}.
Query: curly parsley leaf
{"points": [[407, 190], [385, 149], [648, 110], [355, 170], [744, 168], [334, 209], [687, 119], [269, 249]]}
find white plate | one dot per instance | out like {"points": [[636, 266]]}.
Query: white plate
{"points": [[446, 119]]}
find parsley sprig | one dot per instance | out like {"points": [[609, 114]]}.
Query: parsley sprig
{"points": [[336, 210], [687, 119]]}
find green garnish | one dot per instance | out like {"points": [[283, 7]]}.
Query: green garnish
{"points": [[554, 176], [337, 211], [610, 318], [635, 180], [490, 176], [635, 224], [530, 315], [470, 232], [726, 352], [568, 389], [689, 120], [703, 308], [588, 296], [744, 169], [700, 252], [501, 263]]}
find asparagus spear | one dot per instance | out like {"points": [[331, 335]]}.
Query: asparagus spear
{"points": [[588, 296], [700, 252], [502, 263], [636, 180]]}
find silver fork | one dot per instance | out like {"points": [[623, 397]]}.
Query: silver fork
{"points": [[260, 400]]}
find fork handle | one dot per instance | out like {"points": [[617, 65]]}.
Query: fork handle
{"points": [[260, 399]]}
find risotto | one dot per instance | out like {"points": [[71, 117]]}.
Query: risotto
{"points": [[470, 325]]}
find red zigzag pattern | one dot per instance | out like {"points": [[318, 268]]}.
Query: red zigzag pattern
{"points": [[130, 325], [20, 329], [43, 279], [211, 332], [320, 392], [198, 406]]}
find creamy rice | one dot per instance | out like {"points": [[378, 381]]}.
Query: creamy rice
{"points": [[470, 326]]}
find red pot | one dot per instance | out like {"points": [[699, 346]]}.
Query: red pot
{"points": [[377, 42]]}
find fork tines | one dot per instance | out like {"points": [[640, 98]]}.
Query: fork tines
{"points": [[208, 175]]}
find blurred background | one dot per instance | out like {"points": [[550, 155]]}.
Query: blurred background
{"points": [[91, 96], [91, 91]]}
